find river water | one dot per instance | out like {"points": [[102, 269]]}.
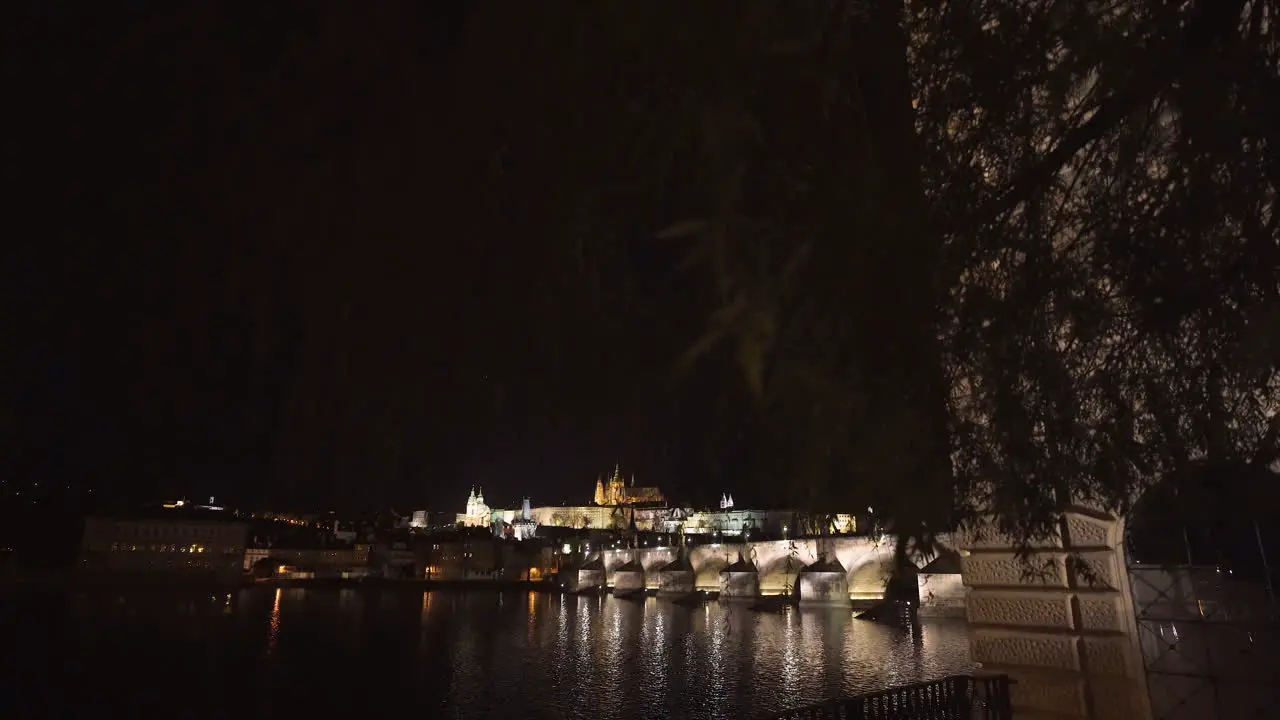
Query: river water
{"points": [[268, 652]]}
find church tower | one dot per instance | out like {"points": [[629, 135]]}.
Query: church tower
{"points": [[600, 496], [617, 491]]}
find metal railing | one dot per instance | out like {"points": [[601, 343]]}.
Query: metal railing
{"points": [[959, 697]]}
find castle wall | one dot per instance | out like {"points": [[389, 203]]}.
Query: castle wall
{"points": [[578, 516]]}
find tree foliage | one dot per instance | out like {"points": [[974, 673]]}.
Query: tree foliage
{"points": [[982, 256]]}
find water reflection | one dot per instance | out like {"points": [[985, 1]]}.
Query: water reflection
{"points": [[791, 656], [533, 619], [273, 634], [467, 655]]}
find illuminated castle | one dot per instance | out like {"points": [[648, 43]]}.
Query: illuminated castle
{"points": [[616, 491]]}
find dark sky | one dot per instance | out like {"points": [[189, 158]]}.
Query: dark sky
{"points": [[263, 255]]}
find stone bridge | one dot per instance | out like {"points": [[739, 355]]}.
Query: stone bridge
{"points": [[868, 562]]}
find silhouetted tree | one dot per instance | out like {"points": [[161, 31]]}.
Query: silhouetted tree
{"points": [[969, 257]]}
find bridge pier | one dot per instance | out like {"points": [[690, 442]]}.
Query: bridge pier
{"points": [[1061, 622]]}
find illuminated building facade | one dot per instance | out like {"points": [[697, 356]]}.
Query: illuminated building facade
{"points": [[619, 506], [317, 562], [465, 557], [617, 492], [171, 545], [616, 506], [734, 523]]}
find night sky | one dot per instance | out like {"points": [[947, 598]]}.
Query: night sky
{"points": [[261, 254]]}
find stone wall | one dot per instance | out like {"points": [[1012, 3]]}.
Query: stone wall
{"points": [[1060, 622], [651, 559], [824, 588], [941, 594], [739, 585], [626, 580], [676, 582], [583, 579]]}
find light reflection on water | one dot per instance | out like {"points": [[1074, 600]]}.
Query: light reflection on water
{"points": [[480, 654]]}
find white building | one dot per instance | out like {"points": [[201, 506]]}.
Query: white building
{"points": [[477, 514]]}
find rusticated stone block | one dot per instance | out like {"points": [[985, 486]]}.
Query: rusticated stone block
{"points": [[991, 569], [1085, 531], [1025, 649], [985, 536], [1047, 692], [1101, 612], [1026, 608], [1109, 655], [1096, 570]]}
